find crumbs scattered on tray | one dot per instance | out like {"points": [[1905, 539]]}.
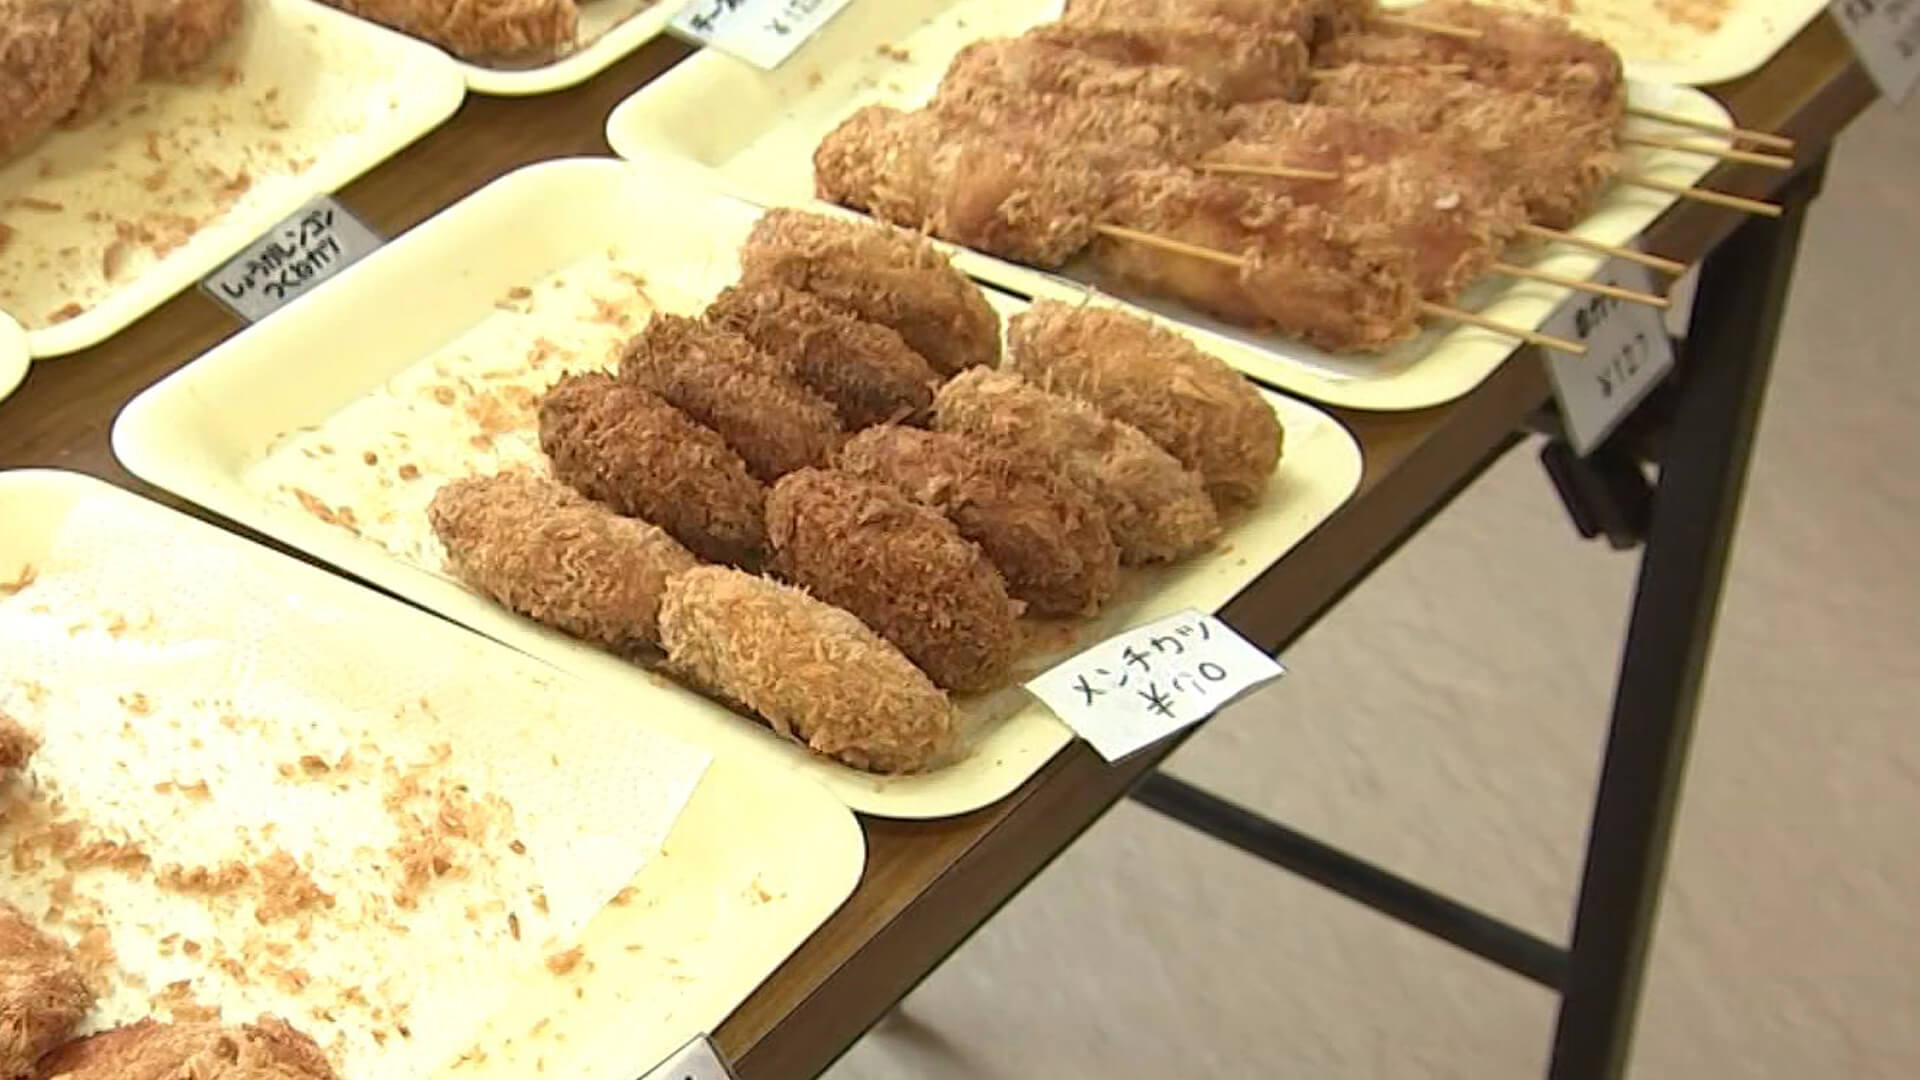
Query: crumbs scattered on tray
{"points": [[893, 52]]}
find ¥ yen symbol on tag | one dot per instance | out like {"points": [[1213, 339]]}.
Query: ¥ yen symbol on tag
{"points": [[1628, 353], [698, 1060]]}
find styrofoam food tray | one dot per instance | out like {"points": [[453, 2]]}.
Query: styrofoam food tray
{"points": [[14, 357], [191, 435], [754, 864], [1682, 41], [611, 28], [147, 199], [761, 147]]}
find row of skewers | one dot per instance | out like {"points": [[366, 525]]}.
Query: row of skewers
{"points": [[1316, 168]]}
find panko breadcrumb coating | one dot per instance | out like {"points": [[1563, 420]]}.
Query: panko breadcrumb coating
{"points": [[45, 62], [182, 35], [816, 673], [267, 1049], [557, 558], [17, 744], [867, 371], [620, 444], [523, 30], [42, 995], [1157, 509], [114, 57], [901, 568], [882, 274], [1046, 535], [1190, 402], [721, 380]]}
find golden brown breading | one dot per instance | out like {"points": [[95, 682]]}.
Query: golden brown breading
{"points": [[1236, 66], [42, 995], [1190, 402], [267, 1049], [994, 192], [620, 444], [817, 674], [722, 381], [1110, 133], [114, 57], [1156, 508], [17, 744], [883, 275], [1036, 64], [901, 568], [182, 35], [867, 371], [1286, 16], [521, 30], [551, 555], [45, 61], [1046, 536]]}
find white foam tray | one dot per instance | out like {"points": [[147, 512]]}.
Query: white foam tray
{"points": [[317, 98], [14, 357], [760, 146], [757, 861], [200, 431]]}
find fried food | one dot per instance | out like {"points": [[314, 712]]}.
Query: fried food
{"points": [[1157, 509], [722, 381], [182, 35], [42, 995], [45, 62], [1233, 65], [17, 744], [867, 371], [1051, 60], [620, 444], [1112, 133], [1046, 536], [901, 568], [997, 193], [881, 274], [498, 30], [816, 673], [114, 57], [551, 555], [267, 1049], [1190, 402]]}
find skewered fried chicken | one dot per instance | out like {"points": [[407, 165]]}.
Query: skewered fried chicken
{"points": [[114, 57], [1310, 20], [1109, 133], [44, 64], [479, 29], [183, 34], [1235, 65], [1032, 64]]}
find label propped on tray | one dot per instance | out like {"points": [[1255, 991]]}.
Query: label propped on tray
{"points": [[698, 1060], [1628, 353], [761, 32], [1886, 36], [1143, 684], [318, 241]]}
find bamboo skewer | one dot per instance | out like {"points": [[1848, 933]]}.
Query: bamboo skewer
{"points": [[1580, 285], [1652, 262], [1284, 172], [1409, 22], [1437, 311], [1667, 142], [1763, 138], [1705, 195]]}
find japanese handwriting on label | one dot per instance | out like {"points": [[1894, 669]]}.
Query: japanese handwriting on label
{"points": [[1628, 353], [698, 1060], [319, 241], [1886, 36], [761, 32], [1146, 683]]}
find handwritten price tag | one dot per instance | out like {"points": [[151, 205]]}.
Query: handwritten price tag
{"points": [[319, 241], [761, 32], [1628, 353], [697, 1060], [1886, 35], [1138, 687]]}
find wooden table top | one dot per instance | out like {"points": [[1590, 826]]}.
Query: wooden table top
{"points": [[929, 884]]}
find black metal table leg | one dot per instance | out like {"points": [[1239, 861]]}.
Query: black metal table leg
{"points": [[1719, 387]]}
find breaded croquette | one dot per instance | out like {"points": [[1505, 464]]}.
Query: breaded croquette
{"points": [[113, 59], [867, 372], [44, 64], [1190, 402], [480, 30], [721, 380], [42, 995], [901, 568], [555, 557], [815, 672], [882, 274], [17, 744], [1046, 535], [267, 1049], [1157, 509], [620, 444], [183, 34]]}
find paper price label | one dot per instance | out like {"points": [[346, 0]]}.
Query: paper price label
{"points": [[761, 32], [1886, 36], [697, 1060], [316, 243], [1143, 684], [1628, 353]]}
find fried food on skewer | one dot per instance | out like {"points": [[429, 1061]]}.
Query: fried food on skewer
{"points": [[1312, 21], [816, 673], [1190, 402], [901, 568], [1047, 537], [45, 62], [1235, 65], [114, 59], [1003, 195], [881, 274], [42, 994], [868, 371], [1109, 133], [517, 30], [183, 34], [267, 1049], [1032, 64]]}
